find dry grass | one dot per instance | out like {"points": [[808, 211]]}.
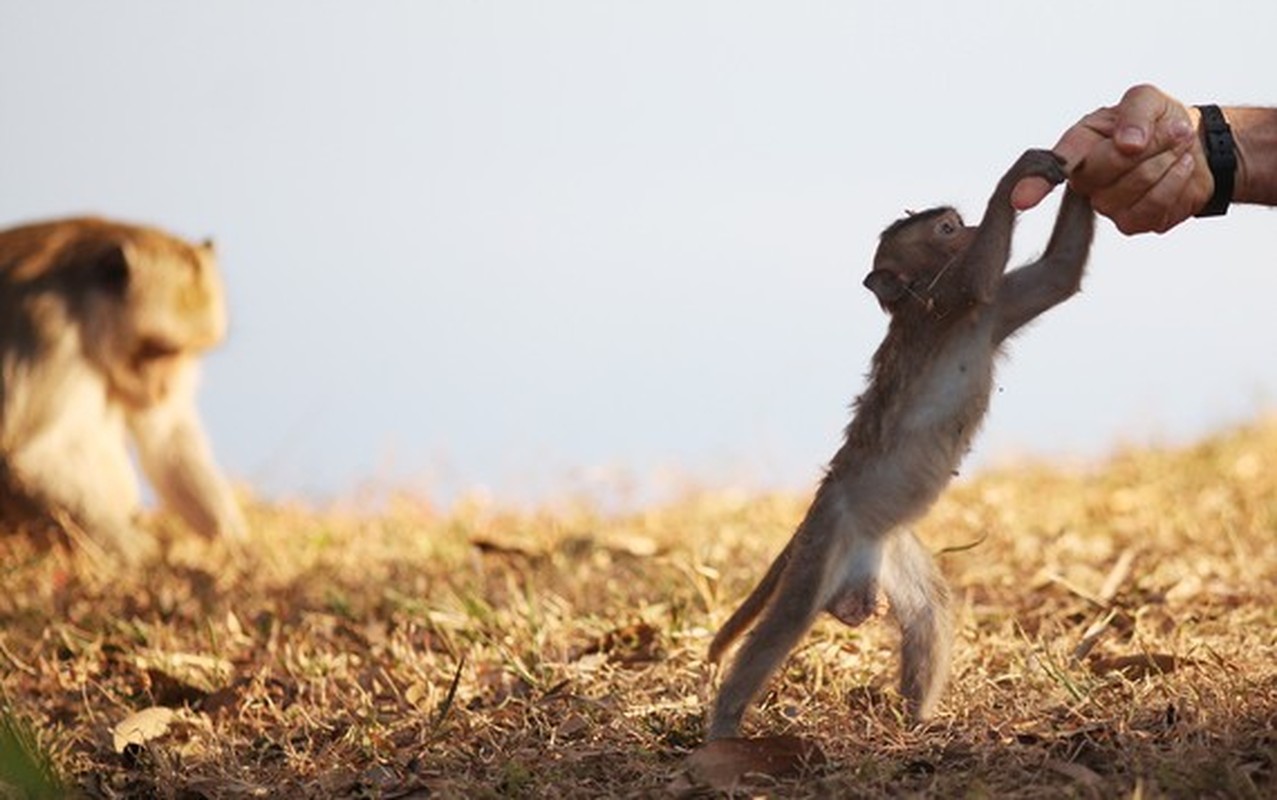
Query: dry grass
{"points": [[1117, 637]]}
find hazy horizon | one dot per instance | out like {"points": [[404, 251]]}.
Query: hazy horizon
{"points": [[535, 247]]}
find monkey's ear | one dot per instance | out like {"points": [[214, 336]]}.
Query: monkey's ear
{"points": [[111, 270], [886, 286]]}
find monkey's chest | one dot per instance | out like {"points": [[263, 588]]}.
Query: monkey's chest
{"points": [[949, 399]]}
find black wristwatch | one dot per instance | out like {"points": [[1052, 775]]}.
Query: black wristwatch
{"points": [[1221, 157]]}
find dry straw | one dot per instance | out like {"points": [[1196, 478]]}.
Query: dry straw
{"points": [[1117, 638]]}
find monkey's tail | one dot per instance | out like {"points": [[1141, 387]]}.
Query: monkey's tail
{"points": [[749, 610]]}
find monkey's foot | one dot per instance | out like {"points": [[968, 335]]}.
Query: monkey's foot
{"points": [[724, 763]]}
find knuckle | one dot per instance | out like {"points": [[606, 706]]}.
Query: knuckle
{"points": [[1141, 93], [1161, 222], [1129, 224]]}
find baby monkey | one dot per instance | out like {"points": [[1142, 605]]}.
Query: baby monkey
{"points": [[951, 309]]}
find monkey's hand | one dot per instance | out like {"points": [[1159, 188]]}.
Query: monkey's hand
{"points": [[1043, 164]]}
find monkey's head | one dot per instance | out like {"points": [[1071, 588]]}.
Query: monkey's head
{"points": [[149, 301], [913, 253]]}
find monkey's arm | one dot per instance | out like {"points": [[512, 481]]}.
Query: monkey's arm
{"points": [[986, 259], [1052, 279], [175, 454]]}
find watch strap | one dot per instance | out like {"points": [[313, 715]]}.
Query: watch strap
{"points": [[1221, 157]]}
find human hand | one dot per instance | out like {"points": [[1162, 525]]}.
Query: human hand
{"points": [[1140, 162]]}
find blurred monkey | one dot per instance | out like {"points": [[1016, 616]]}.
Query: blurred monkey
{"points": [[101, 328]]}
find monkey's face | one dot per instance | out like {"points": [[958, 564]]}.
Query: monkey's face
{"points": [[151, 305], [914, 253]]}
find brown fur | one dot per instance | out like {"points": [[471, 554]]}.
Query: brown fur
{"points": [[101, 325], [951, 309]]}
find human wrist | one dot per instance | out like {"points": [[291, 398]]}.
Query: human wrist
{"points": [[1220, 150], [1255, 138]]}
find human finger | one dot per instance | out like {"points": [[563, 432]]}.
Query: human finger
{"points": [[1108, 165], [1181, 192], [1073, 146], [1148, 121], [1120, 183], [1150, 131]]}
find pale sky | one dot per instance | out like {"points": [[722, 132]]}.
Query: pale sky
{"points": [[524, 245]]}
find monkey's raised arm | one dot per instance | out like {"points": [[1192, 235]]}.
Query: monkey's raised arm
{"points": [[1057, 275], [985, 260]]}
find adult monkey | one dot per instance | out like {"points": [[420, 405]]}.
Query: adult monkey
{"points": [[951, 310], [101, 327]]}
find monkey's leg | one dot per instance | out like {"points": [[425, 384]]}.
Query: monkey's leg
{"points": [[831, 565], [82, 467], [919, 601], [781, 625]]}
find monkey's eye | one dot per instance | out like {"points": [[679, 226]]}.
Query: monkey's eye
{"points": [[947, 228]]}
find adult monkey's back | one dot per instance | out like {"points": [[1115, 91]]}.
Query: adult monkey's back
{"points": [[951, 309]]}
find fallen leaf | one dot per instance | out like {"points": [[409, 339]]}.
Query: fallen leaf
{"points": [[141, 727], [632, 644], [227, 697], [722, 763], [1137, 666], [1118, 575], [493, 548], [1092, 637], [571, 727], [634, 545], [497, 684], [1071, 769], [170, 690]]}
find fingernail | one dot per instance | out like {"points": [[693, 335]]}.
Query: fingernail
{"points": [[1131, 136], [1181, 129]]}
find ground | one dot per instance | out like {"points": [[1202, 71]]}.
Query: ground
{"points": [[1117, 637]]}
